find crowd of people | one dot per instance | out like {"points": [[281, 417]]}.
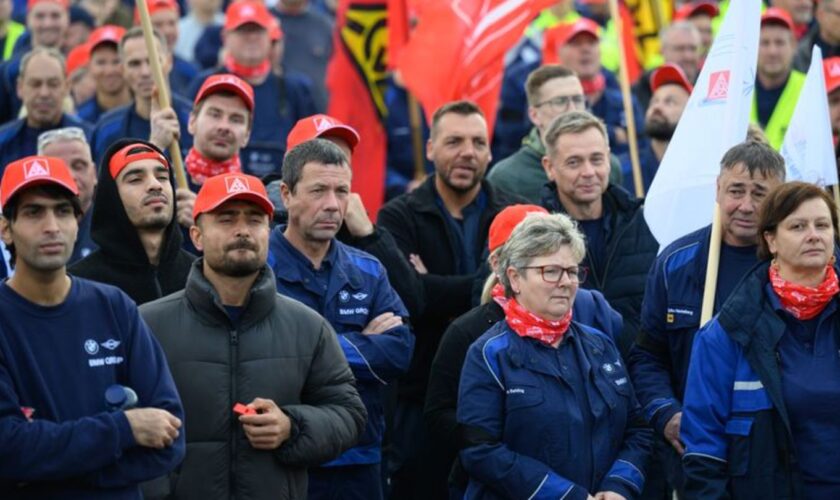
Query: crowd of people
{"points": [[507, 326]]}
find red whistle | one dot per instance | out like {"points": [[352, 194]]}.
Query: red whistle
{"points": [[241, 409]]}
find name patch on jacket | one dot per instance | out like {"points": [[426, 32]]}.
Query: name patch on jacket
{"points": [[92, 347], [674, 311]]}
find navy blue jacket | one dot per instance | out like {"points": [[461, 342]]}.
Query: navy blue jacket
{"points": [[75, 446], [735, 424], [11, 138], [279, 104], [182, 74], [530, 438], [90, 111], [648, 163], [357, 291], [114, 124]]}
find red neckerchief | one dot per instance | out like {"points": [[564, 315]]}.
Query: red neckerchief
{"points": [[594, 86], [527, 324], [202, 168], [804, 302], [246, 72]]}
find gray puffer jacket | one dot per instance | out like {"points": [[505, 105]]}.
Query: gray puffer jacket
{"points": [[280, 350]]}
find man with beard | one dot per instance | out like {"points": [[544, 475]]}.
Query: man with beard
{"points": [[135, 226], [67, 345], [106, 70], [670, 91], [777, 84], [267, 391], [441, 227], [42, 87], [350, 289]]}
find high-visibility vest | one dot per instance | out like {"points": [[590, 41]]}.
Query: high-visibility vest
{"points": [[782, 113], [13, 32]]}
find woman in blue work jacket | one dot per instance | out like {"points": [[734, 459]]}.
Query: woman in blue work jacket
{"points": [[760, 415], [546, 404]]}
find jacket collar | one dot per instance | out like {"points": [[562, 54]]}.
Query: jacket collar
{"points": [[204, 298], [424, 198], [615, 199], [343, 271]]}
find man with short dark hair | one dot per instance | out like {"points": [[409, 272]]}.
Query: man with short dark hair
{"points": [[266, 388], [42, 86], [134, 223], [88, 408], [441, 227], [111, 88], [670, 316], [350, 289]]}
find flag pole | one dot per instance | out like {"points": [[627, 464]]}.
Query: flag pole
{"points": [[712, 265], [416, 136], [624, 80], [162, 87]]}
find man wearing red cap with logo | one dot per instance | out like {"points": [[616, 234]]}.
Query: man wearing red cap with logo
{"points": [[777, 84], [164, 15], [280, 100], [350, 288], [266, 387], [670, 91], [831, 70], [111, 88], [81, 83], [135, 225], [88, 407]]}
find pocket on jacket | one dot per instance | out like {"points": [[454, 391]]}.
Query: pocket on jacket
{"points": [[738, 431]]}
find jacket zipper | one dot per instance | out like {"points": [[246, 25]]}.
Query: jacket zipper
{"points": [[158, 288], [612, 253], [234, 342]]}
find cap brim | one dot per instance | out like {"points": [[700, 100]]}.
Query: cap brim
{"points": [[263, 202], [39, 181], [669, 76], [342, 132], [238, 24], [212, 89]]}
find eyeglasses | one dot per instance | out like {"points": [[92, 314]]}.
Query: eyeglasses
{"points": [[562, 102], [554, 274]]}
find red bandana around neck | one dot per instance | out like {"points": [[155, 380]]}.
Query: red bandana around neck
{"points": [[202, 168], [527, 324], [804, 302], [246, 72], [594, 86]]}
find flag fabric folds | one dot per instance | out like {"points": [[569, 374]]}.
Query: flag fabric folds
{"points": [[808, 148], [682, 196]]}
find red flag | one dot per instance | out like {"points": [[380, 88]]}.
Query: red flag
{"points": [[356, 80], [457, 50], [631, 47], [398, 29]]}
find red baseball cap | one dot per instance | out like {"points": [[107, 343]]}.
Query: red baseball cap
{"points": [[692, 9], [669, 73], [321, 126], [506, 221], [78, 58], [275, 32], [831, 69], [247, 11], [775, 15], [123, 158], [33, 171], [157, 6], [562, 34], [229, 83], [108, 33], [225, 187], [32, 3]]}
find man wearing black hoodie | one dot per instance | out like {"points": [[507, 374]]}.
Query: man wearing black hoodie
{"points": [[134, 224]]}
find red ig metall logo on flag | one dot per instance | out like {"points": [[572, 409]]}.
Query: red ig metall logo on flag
{"points": [[718, 87]]}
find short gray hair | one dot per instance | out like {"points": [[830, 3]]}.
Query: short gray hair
{"points": [[45, 51], [681, 25], [314, 150], [65, 134], [573, 122], [537, 235]]}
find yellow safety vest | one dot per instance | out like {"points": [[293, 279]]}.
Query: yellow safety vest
{"points": [[13, 32], [782, 113]]}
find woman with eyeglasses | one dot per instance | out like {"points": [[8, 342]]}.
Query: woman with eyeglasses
{"points": [[762, 399], [546, 405]]}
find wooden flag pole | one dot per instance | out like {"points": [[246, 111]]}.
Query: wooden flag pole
{"points": [[162, 88], [416, 137], [624, 80], [712, 265]]}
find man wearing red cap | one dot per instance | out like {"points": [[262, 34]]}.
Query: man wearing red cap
{"points": [[164, 15], [42, 87], [777, 84], [111, 89], [266, 387], [134, 119], [831, 70], [670, 91], [280, 100], [135, 225], [825, 33], [88, 407], [81, 83], [350, 288]]}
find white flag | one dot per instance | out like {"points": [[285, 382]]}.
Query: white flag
{"points": [[682, 196], [808, 148]]}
